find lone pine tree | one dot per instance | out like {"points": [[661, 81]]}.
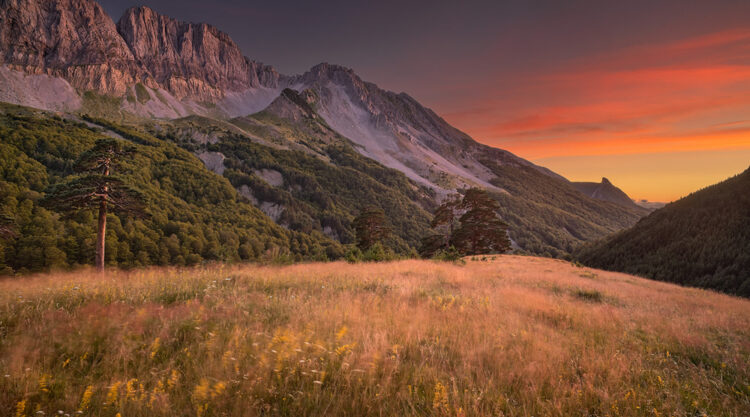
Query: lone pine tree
{"points": [[96, 187]]}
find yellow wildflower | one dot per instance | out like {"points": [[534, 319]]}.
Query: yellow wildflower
{"points": [[173, 379], [341, 333], [44, 381], [440, 400], [201, 391], [86, 399], [343, 350], [131, 389], [155, 347], [21, 408], [112, 393], [218, 389]]}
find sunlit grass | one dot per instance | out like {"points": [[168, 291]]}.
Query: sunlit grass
{"points": [[503, 336]]}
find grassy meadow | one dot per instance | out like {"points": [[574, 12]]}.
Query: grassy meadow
{"points": [[503, 336]]}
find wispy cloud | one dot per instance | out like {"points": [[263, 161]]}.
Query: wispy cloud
{"points": [[682, 94]]}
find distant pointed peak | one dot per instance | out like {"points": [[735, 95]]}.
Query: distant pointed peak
{"points": [[606, 181]]}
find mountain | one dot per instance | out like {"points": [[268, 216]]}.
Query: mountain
{"points": [[191, 81], [303, 174], [700, 240], [195, 61], [605, 191]]}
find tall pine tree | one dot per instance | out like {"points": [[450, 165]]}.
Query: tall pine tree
{"points": [[98, 188]]}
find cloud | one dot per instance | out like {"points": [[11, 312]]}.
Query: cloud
{"points": [[656, 97]]}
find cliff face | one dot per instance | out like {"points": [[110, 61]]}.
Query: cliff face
{"points": [[72, 39], [190, 60], [76, 40]]}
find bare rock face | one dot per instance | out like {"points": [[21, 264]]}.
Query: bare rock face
{"points": [[77, 41], [191, 60], [72, 39]]}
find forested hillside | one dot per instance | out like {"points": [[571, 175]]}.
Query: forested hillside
{"points": [[194, 214], [701, 240], [304, 174], [315, 179], [547, 216]]}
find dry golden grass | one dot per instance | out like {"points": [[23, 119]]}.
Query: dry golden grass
{"points": [[509, 336]]}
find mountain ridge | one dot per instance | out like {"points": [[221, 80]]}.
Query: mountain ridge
{"points": [[699, 240]]}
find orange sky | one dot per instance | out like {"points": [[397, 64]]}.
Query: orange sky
{"points": [[659, 120]]}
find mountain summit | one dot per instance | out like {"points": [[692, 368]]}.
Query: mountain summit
{"points": [[605, 191]]}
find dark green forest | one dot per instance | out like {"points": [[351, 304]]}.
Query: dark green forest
{"points": [[194, 215], [702, 240]]}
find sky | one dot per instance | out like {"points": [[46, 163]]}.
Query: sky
{"points": [[654, 95]]}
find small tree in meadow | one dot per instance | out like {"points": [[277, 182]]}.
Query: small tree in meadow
{"points": [[370, 227], [97, 188]]}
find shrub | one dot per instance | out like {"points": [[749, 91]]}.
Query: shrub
{"points": [[448, 255]]}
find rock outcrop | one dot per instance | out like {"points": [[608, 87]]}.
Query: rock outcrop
{"points": [[190, 60], [77, 41], [606, 191], [72, 39]]}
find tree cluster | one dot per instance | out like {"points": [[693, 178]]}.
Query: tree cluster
{"points": [[469, 225]]}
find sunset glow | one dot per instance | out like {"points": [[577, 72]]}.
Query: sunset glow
{"points": [[682, 106]]}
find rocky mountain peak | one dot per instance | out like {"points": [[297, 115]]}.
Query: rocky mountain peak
{"points": [[72, 39], [191, 60]]}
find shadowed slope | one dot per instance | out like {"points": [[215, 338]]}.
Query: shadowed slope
{"points": [[700, 240]]}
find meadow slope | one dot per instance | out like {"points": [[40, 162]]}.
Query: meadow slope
{"points": [[508, 335]]}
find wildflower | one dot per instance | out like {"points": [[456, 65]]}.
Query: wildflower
{"points": [[21, 408], [201, 391], [112, 394], [86, 399], [131, 389], [155, 347], [173, 379], [44, 381], [343, 350], [218, 389], [440, 400], [341, 333]]}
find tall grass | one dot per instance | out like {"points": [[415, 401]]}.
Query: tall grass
{"points": [[509, 336]]}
